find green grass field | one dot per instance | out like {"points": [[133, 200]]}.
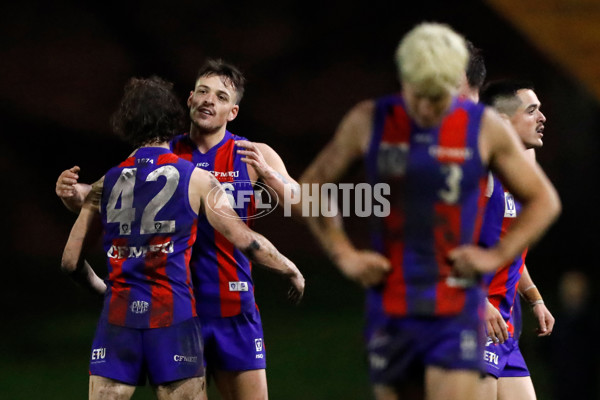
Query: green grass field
{"points": [[314, 350]]}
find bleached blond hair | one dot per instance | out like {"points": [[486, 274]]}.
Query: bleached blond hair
{"points": [[433, 58]]}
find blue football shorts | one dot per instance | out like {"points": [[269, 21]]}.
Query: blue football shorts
{"points": [[129, 355], [234, 343], [504, 360], [401, 348]]}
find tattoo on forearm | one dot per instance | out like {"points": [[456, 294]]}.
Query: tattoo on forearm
{"points": [[277, 174], [295, 188], [95, 195], [252, 248]]}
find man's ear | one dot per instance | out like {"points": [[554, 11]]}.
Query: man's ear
{"points": [[233, 113]]}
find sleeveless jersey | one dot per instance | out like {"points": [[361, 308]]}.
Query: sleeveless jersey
{"points": [[149, 229], [222, 274], [500, 213], [437, 183]]}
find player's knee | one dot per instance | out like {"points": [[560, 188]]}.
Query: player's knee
{"points": [[113, 392]]}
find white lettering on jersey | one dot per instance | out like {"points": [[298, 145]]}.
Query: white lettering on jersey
{"points": [[137, 252]]}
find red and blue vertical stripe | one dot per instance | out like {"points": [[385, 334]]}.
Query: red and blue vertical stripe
{"points": [[423, 227], [149, 281], [216, 263], [502, 286]]}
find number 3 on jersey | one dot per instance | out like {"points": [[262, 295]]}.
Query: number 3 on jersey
{"points": [[451, 193], [125, 214]]}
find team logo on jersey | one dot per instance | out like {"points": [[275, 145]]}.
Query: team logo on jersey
{"points": [[139, 307], [422, 137], [238, 286], [510, 208], [468, 345], [392, 159], [258, 344], [239, 195]]}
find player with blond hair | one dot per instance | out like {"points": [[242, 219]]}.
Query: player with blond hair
{"points": [[425, 334]]}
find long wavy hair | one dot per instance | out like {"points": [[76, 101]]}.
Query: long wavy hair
{"points": [[149, 112]]}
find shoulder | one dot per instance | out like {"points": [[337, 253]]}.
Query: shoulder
{"points": [[363, 109], [354, 131], [94, 197], [181, 144], [202, 181], [178, 138], [237, 137], [265, 149], [202, 176], [271, 156]]}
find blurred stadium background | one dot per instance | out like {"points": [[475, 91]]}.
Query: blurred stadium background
{"points": [[64, 64]]}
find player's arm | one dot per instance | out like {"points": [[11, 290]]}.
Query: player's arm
{"points": [[207, 195], [532, 295], [504, 153], [70, 191], [349, 144], [84, 234], [270, 169]]}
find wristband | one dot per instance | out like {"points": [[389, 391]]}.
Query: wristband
{"points": [[532, 295], [535, 303]]}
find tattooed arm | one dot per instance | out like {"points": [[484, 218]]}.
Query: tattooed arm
{"points": [[207, 196], [269, 168]]}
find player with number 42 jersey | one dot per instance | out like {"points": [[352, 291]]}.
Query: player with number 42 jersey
{"points": [[144, 199]]}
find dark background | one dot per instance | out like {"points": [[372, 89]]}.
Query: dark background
{"points": [[62, 72]]}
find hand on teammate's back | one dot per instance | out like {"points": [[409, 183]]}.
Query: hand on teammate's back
{"points": [[65, 185]]}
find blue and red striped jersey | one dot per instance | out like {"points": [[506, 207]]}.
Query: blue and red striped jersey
{"points": [[501, 211], [149, 229], [437, 184], [222, 274]]}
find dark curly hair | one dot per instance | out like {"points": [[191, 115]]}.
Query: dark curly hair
{"points": [[149, 112]]}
